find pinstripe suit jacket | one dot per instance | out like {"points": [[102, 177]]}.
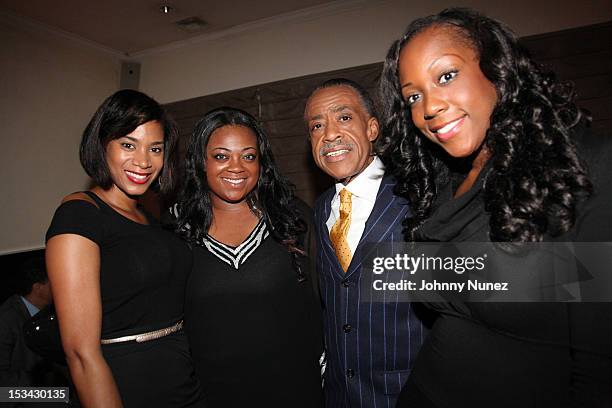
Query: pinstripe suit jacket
{"points": [[370, 345]]}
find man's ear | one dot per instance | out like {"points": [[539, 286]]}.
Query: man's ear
{"points": [[372, 129], [35, 287]]}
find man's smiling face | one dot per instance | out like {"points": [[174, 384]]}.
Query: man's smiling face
{"points": [[341, 131]]}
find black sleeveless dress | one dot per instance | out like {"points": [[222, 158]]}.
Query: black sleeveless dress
{"points": [[143, 272]]}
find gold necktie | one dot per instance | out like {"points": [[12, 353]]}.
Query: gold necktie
{"points": [[339, 232]]}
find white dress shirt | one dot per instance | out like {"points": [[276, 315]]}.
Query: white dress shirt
{"points": [[363, 189]]}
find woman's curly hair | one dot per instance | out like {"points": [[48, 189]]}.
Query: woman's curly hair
{"points": [[272, 198], [536, 179]]}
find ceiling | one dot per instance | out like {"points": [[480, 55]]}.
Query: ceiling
{"points": [[131, 26]]}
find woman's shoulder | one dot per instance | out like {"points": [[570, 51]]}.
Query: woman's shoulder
{"points": [[80, 205], [591, 143], [80, 195], [595, 150], [594, 222], [80, 202], [78, 213]]}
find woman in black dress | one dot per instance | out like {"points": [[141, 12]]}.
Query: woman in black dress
{"points": [[252, 312], [118, 278], [487, 146]]}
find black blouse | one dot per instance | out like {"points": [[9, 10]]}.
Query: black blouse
{"points": [[519, 354], [254, 328]]}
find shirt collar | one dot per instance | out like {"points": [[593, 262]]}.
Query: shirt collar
{"points": [[31, 308], [366, 184]]}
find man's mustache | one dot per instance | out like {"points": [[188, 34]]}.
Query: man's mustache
{"points": [[328, 146]]}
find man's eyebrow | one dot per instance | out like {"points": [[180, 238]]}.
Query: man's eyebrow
{"points": [[340, 108], [334, 109], [315, 117]]}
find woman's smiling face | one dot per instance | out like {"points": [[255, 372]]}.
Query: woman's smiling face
{"points": [[450, 99], [232, 163], [136, 159]]}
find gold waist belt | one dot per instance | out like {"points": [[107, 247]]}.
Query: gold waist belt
{"points": [[148, 336]]}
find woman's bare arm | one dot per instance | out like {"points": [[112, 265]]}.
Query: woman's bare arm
{"points": [[73, 264]]}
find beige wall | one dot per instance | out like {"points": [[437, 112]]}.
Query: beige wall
{"points": [[357, 34], [49, 87]]}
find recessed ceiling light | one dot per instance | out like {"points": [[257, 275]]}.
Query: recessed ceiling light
{"points": [[166, 9]]}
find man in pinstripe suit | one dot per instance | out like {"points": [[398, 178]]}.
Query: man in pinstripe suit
{"points": [[370, 343]]}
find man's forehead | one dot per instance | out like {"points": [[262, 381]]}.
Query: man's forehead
{"points": [[333, 99]]}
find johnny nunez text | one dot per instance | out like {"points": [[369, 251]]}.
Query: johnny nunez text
{"points": [[408, 285]]}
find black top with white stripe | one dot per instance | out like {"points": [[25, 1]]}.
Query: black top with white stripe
{"points": [[236, 256], [255, 331]]}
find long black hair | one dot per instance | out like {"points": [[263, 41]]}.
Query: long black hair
{"points": [[537, 178], [272, 198]]}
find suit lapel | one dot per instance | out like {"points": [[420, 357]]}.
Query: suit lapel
{"points": [[21, 307], [325, 243], [388, 212]]}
